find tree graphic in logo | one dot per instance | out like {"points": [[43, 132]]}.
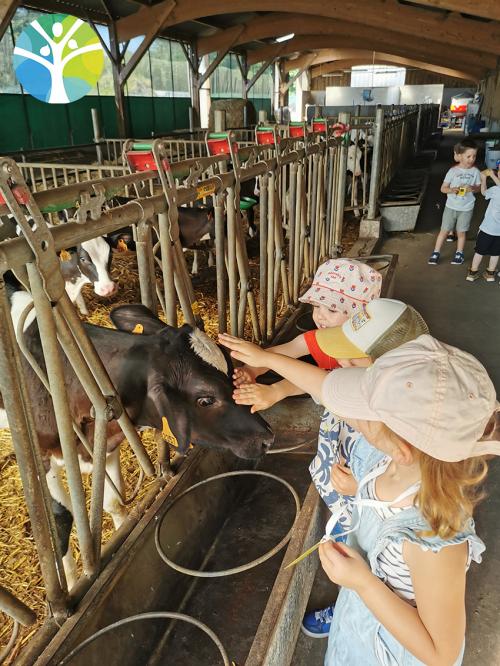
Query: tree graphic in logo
{"points": [[58, 58]]}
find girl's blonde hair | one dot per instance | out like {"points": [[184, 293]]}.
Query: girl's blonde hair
{"points": [[449, 491]]}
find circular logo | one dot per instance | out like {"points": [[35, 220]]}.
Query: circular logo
{"points": [[58, 58]]}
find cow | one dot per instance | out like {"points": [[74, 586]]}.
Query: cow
{"points": [[86, 263], [174, 377], [195, 224]]}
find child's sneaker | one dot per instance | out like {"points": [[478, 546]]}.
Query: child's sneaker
{"points": [[489, 276], [434, 258], [316, 624], [450, 238], [472, 276], [458, 259]]}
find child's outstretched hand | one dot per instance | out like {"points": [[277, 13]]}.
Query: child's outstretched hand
{"points": [[246, 352], [343, 480], [259, 396], [245, 375], [344, 565]]}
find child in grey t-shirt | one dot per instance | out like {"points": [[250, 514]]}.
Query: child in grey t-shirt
{"points": [[460, 184]]}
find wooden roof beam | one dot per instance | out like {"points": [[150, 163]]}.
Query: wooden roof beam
{"points": [[449, 29], [275, 24], [345, 59], [489, 9], [7, 11], [315, 42]]}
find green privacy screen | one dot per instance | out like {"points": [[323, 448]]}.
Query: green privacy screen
{"points": [[26, 123]]}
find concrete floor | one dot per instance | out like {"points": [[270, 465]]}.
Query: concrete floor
{"points": [[466, 315]]}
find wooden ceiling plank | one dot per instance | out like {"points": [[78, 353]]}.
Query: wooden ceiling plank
{"points": [[302, 24], [341, 59], [489, 9], [310, 42], [382, 14]]}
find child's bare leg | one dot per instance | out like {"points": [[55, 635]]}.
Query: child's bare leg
{"points": [[476, 260], [440, 240], [460, 241], [493, 263]]}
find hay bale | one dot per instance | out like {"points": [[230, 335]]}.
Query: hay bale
{"points": [[234, 112]]}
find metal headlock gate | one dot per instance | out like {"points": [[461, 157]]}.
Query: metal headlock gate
{"points": [[301, 180]]}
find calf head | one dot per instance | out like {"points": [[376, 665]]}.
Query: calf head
{"points": [[183, 381], [354, 160], [88, 263]]}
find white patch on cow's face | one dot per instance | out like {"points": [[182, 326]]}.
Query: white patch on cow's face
{"points": [[354, 160], [98, 251], [206, 349]]}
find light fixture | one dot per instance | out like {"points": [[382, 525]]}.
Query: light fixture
{"points": [[285, 38]]}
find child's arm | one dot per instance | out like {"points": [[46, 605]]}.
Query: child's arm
{"points": [[484, 176], [303, 375], [446, 189], [295, 348], [260, 396], [434, 631]]}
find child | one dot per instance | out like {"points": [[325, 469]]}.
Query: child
{"points": [[459, 184], [426, 417], [402, 584], [488, 238], [376, 328], [340, 287]]}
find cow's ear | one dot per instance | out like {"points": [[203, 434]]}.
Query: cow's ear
{"points": [[136, 318], [227, 356], [172, 414]]}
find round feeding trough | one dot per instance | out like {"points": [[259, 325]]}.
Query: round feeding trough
{"points": [[247, 202], [232, 570]]}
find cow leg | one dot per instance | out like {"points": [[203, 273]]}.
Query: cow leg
{"points": [[63, 517], [194, 268], [112, 504], [81, 305], [211, 261]]}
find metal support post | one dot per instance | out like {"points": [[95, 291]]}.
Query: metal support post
{"points": [[376, 164]]}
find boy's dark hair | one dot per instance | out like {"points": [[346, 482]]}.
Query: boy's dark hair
{"points": [[463, 145]]}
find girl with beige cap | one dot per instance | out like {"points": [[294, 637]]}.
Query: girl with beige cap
{"points": [[427, 417]]}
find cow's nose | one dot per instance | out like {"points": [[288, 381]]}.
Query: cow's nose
{"points": [[105, 289]]}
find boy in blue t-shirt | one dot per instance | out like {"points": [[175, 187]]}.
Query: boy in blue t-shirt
{"points": [[460, 184], [488, 238]]}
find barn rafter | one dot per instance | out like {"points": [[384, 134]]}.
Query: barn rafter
{"points": [[444, 27], [315, 42]]}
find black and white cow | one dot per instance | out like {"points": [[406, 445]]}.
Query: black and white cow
{"points": [[86, 263], [166, 375]]}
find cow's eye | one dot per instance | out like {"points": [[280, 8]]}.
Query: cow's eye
{"points": [[205, 401]]}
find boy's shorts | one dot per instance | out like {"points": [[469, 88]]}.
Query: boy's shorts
{"points": [[456, 219], [487, 245]]}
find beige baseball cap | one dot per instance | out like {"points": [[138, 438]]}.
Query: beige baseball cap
{"points": [[438, 398], [343, 285], [377, 327]]}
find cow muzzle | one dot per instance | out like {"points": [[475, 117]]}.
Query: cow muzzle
{"points": [[105, 288]]}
